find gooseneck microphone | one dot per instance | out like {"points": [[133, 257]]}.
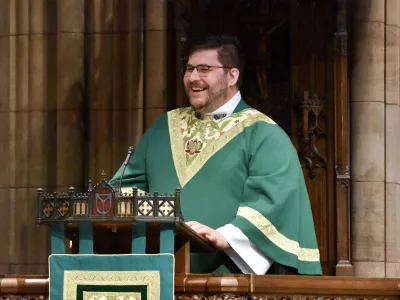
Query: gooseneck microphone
{"points": [[131, 150]]}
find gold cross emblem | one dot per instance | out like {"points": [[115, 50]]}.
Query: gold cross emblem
{"points": [[64, 208], [48, 209], [165, 208], [145, 208]]}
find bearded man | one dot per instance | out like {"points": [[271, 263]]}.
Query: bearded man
{"points": [[242, 187]]}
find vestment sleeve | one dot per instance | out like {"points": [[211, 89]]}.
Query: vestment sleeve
{"points": [[246, 256], [135, 172], [275, 213]]}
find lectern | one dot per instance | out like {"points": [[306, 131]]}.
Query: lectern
{"points": [[152, 223]]}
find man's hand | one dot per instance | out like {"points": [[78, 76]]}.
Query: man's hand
{"points": [[213, 236]]}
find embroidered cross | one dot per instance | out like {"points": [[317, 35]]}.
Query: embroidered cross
{"points": [[145, 208], [64, 208], [166, 208], [48, 209]]}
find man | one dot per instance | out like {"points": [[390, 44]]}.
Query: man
{"points": [[242, 184]]}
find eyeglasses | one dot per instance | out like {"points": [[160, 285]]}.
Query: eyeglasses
{"points": [[202, 70]]}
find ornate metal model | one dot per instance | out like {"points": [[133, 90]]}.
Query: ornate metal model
{"points": [[104, 203]]}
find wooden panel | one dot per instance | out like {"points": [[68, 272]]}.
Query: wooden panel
{"points": [[312, 114], [272, 287], [342, 157]]}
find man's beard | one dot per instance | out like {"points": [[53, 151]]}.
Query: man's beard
{"points": [[213, 100]]}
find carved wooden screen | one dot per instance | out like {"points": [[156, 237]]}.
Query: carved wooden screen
{"points": [[289, 73], [312, 110]]}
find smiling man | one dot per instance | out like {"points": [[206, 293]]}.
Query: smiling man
{"points": [[242, 184]]}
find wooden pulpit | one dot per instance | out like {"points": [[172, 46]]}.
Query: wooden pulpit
{"points": [[106, 220]]}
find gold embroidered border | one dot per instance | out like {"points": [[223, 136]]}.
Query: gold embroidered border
{"points": [[272, 233], [111, 296], [185, 173], [112, 278]]}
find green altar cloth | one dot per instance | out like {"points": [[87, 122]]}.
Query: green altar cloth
{"points": [[111, 277]]}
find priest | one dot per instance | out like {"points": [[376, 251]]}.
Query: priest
{"points": [[242, 186]]}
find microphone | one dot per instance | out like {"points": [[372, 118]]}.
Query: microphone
{"points": [[131, 150]]}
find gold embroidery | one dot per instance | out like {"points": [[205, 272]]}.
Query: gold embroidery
{"points": [[193, 147], [112, 278], [272, 233], [110, 296], [205, 136]]}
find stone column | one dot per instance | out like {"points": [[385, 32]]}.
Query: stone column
{"points": [[41, 70], [392, 139], [135, 73], [375, 116], [181, 98], [114, 93], [71, 102], [128, 78], [368, 138], [155, 60]]}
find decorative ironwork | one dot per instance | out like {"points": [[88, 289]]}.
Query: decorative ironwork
{"points": [[310, 109], [104, 203], [166, 208], [146, 208], [63, 208]]}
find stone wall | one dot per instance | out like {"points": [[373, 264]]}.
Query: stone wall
{"points": [[79, 82], [375, 136]]}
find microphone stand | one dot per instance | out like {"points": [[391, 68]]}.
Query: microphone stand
{"points": [[131, 150]]}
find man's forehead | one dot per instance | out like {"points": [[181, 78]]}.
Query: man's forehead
{"points": [[206, 56]]}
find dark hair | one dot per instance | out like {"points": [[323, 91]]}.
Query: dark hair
{"points": [[229, 50]]}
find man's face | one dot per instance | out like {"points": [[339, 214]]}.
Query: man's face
{"points": [[207, 91]]}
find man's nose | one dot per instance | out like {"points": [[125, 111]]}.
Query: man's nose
{"points": [[194, 75]]}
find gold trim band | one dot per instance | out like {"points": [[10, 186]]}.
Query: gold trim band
{"points": [[272, 233], [112, 278]]}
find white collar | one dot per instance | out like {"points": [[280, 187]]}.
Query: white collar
{"points": [[229, 107]]}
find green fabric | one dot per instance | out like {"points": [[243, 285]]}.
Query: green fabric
{"points": [[57, 238], [167, 238], [100, 264], [85, 238], [139, 238], [259, 169]]}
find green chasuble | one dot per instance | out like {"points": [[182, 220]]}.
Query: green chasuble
{"points": [[242, 170]]}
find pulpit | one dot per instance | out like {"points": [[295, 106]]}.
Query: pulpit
{"points": [[91, 222], [111, 242]]}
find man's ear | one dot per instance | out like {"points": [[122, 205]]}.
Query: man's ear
{"points": [[233, 76]]}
